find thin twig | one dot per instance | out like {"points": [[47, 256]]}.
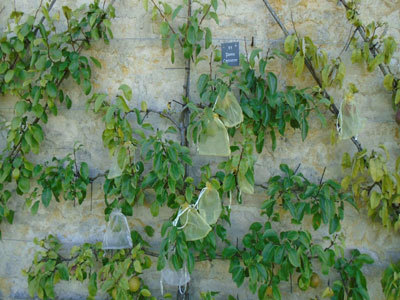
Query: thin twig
{"points": [[91, 196], [40, 6], [322, 177], [205, 14], [298, 167], [177, 102], [373, 50], [76, 170], [92, 179], [165, 116], [346, 46], [166, 20], [43, 18]]}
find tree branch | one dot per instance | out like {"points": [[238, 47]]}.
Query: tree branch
{"points": [[311, 69]]}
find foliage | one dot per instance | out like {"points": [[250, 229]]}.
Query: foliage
{"points": [[375, 48], [35, 60], [296, 194], [88, 263], [372, 182], [303, 51], [391, 282], [149, 160], [352, 283], [266, 109], [62, 180], [270, 257], [208, 295], [190, 36]]}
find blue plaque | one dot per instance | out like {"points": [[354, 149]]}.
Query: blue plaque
{"points": [[230, 53]]}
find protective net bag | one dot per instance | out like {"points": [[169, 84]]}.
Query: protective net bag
{"points": [[213, 138], [194, 225], [173, 277], [233, 114], [118, 234], [349, 123], [170, 276], [209, 204], [244, 185], [115, 170]]}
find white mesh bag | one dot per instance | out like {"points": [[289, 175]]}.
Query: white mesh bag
{"points": [[349, 123], [194, 225], [118, 234], [233, 114], [115, 170], [175, 277], [213, 138], [210, 204]]}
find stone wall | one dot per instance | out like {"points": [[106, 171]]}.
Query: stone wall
{"points": [[135, 57]]}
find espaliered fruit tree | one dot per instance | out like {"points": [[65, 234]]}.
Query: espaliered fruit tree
{"points": [[236, 113]]}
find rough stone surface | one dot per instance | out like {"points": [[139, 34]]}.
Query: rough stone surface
{"points": [[135, 57]]}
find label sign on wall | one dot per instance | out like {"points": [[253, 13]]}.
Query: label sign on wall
{"points": [[230, 53]]}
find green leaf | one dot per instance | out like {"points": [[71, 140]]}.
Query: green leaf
{"points": [[84, 170], [388, 82], [164, 29], [229, 252], [214, 16], [260, 140], [149, 230], [208, 40], [376, 62], [127, 91], [290, 44], [298, 63], [35, 208], [154, 209], [304, 128], [176, 12], [20, 108], [137, 266], [96, 62], [38, 110], [238, 276], [63, 269], [3, 67], [375, 199], [41, 63], [5, 47], [51, 89], [397, 97], [191, 35], [229, 182], [145, 293], [87, 86], [92, 286], [46, 196], [23, 184], [364, 259], [272, 83], [293, 257], [9, 76], [122, 157], [202, 83], [356, 56]]}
